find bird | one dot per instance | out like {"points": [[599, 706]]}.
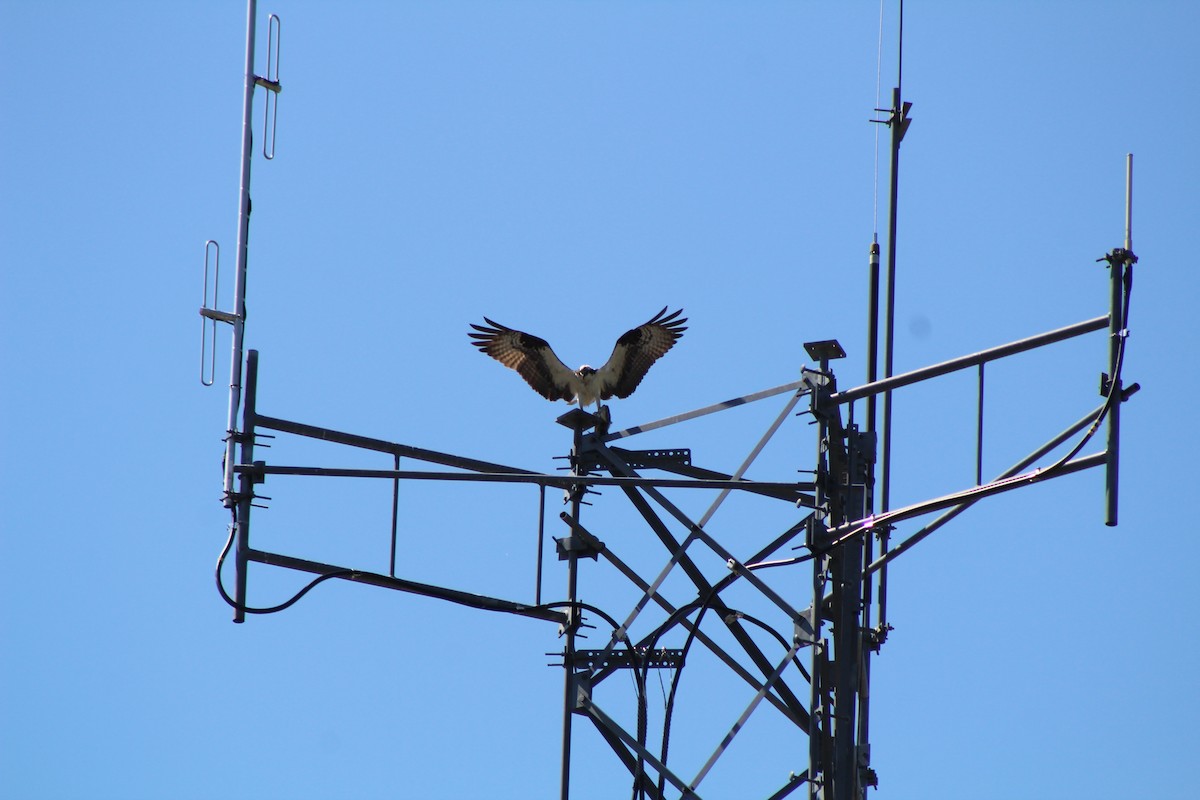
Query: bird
{"points": [[531, 356]]}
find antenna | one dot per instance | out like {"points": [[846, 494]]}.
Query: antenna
{"points": [[1129, 201], [1120, 267], [237, 317], [733, 606]]}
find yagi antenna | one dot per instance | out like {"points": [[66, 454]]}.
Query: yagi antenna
{"points": [[237, 317]]}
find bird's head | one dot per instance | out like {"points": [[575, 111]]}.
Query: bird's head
{"points": [[585, 371]]}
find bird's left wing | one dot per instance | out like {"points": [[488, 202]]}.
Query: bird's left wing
{"points": [[529, 355], [636, 351]]}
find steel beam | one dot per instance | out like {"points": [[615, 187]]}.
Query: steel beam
{"points": [[801, 719], [890, 555], [605, 722], [697, 577], [540, 478], [856, 527], [974, 359], [479, 601], [379, 445]]}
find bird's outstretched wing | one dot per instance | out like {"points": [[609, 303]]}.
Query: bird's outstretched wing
{"points": [[636, 351], [529, 355]]}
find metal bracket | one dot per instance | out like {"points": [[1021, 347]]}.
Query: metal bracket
{"points": [[583, 691], [639, 658], [641, 459], [257, 474], [875, 637], [1119, 255], [581, 542], [805, 630], [219, 316], [896, 116], [866, 775], [817, 535], [578, 419], [581, 546]]}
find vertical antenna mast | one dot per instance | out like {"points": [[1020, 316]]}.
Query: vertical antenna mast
{"points": [[237, 317], [1121, 266], [898, 123], [243, 233], [239, 501], [1129, 201]]}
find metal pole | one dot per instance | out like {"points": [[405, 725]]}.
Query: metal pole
{"points": [[1116, 330], [395, 514], [570, 688], [868, 584], [973, 359], [818, 713], [885, 453], [569, 692], [898, 124], [245, 496], [1129, 201], [890, 331], [243, 233], [847, 668], [836, 680], [872, 331], [979, 430], [541, 541]]}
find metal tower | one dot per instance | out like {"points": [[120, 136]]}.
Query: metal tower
{"points": [[817, 584]]}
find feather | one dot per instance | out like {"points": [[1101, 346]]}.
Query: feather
{"points": [[529, 355], [635, 352]]}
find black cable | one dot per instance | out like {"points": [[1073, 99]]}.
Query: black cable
{"points": [[1114, 380], [639, 685], [649, 642], [341, 573], [637, 660], [670, 708], [687, 645], [777, 636]]}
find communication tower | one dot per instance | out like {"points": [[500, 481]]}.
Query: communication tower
{"points": [[806, 659]]}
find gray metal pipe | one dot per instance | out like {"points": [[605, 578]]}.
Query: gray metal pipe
{"points": [[243, 233], [974, 359]]}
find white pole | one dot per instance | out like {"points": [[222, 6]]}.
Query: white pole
{"points": [[1128, 201]]}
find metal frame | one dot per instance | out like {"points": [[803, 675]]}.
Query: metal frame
{"points": [[584, 670], [835, 519]]}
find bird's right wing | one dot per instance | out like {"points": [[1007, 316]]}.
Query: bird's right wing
{"points": [[529, 355], [636, 351]]}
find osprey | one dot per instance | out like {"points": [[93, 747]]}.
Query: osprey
{"points": [[631, 358]]}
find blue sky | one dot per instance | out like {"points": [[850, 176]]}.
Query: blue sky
{"points": [[569, 168]]}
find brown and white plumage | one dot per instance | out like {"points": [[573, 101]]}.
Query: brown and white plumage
{"points": [[531, 356]]}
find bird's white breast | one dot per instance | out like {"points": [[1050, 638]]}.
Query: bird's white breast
{"points": [[584, 385]]}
